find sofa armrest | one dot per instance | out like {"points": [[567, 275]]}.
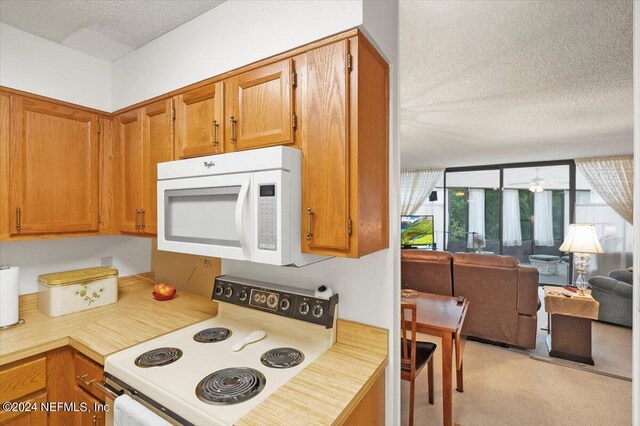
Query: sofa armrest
{"points": [[528, 278], [612, 286]]}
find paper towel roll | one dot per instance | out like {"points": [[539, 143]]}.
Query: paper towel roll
{"points": [[9, 296]]}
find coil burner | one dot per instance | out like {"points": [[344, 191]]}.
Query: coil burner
{"points": [[158, 357], [212, 335], [230, 386], [282, 358]]}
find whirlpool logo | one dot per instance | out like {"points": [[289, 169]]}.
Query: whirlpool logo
{"points": [[209, 164]]}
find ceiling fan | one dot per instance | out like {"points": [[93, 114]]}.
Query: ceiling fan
{"points": [[536, 184]]}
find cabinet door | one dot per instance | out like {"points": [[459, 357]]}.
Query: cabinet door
{"points": [[325, 151], [37, 417], [158, 141], [89, 417], [261, 110], [5, 105], [54, 168], [129, 133], [199, 121]]}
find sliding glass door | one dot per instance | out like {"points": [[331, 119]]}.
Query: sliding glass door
{"points": [[515, 210], [473, 211], [535, 216]]}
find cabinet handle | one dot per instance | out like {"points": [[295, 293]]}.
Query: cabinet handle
{"points": [[18, 219], [95, 419], [83, 379], [215, 132], [142, 219], [309, 214], [233, 129], [137, 213]]}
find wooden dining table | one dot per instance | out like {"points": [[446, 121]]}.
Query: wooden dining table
{"points": [[439, 315]]}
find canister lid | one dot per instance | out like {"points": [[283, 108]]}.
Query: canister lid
{"points": [[76, 275]]}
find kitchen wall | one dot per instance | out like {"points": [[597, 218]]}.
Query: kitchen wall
{"points": [[231, 35], [186, 272], [130, 256], [37, 65]]}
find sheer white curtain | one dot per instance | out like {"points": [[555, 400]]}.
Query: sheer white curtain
{"points": [[614, 233], [511, 232], [476, 214], [612, 178], [543, 219], [415, 187]]}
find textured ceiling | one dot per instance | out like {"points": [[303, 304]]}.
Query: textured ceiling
{"points": [[106, 29], [487, 82]]}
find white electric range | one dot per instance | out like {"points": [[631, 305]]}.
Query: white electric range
{"points": [[193, 375]]}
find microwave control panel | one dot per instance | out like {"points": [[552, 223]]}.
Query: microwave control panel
{"points": [[267, 217]]}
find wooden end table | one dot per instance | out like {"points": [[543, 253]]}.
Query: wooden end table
{"points": [[570, 324]]}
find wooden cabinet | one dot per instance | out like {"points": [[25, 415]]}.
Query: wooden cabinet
{"points": [[60, 376], [199, 121], [26, 383], [35, 417], [87, 373], [158, 143], [129, 134], [53, 173], [344, 121], [260, 107], [5, 107], [145, 137], [90, 416], [76, 170]]}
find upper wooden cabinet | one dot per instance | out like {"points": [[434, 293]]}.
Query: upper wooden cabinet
{"points": [[128, 129], [260, 107], [199, 121], [145, 138], [345, 161], [5, 107], [157, 120], [53, 172]]}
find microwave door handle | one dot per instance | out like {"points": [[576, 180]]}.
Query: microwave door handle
{"points": [[240, 208]]}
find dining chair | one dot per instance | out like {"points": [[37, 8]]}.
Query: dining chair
{"points": [[414, 355]]}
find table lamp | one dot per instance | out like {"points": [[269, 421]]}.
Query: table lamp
{"points": [[582, 241]]}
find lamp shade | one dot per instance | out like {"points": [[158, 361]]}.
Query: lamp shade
{"points": [[581, 239]]}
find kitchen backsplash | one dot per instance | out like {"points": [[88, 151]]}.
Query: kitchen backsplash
{"points": [[130, 256]]}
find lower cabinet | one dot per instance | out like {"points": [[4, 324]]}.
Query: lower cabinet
{"points": [[26, 418], [55, 388], [91, 416]]}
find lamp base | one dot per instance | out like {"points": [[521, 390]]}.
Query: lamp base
{"points": [[582, 262]]}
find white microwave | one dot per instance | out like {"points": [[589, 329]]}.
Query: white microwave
{"points": [[242, 205]]}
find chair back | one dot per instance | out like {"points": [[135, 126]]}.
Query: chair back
{"points": [[408, 324]]}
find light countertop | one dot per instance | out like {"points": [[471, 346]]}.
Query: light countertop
{"points": [[325, 392]]}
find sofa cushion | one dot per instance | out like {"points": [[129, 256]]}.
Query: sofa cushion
{"points": [[427, 271], [426, 255], [485, 260], [622, 275]]}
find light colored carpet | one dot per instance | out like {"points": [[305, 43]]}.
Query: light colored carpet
{"points": [[503, 387]]}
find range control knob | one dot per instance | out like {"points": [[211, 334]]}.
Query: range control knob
{"points": [[304, 308], [285, 304], [272, 301], [228, 292], [243, 295], [219, 290], [317, 311]]}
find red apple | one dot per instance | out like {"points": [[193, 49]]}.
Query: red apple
{"points": [[166, 290]]}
